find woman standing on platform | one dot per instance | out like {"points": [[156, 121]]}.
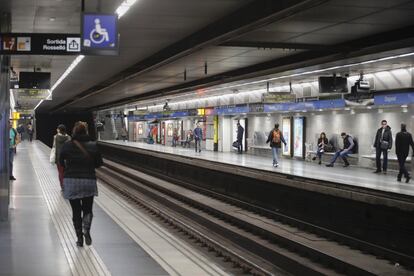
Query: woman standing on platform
{"points": [[80, 157], [58, 141]]}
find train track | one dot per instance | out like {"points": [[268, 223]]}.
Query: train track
{"points": [[259, 241]]}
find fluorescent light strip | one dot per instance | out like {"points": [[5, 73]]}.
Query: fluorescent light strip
{"points": [[124, 7], [64, 75], [121, 10], [313, 71], [262, 90], [68, 70], [12, 101]]}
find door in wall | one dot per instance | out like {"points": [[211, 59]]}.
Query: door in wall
{"points": [[234, 133]]}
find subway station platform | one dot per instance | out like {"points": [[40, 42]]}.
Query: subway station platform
{"points": [[351, 176], [38, 238]]}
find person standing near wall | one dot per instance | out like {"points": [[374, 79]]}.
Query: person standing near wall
{"points": [[276, 138], [403, 141], [198, 135], [240, 132], [58, 141], [13, 144], [80, 157], [382, 143]]}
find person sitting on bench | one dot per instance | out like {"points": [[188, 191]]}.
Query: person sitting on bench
{"points": [[188, 138], [322, 143], [343, 153]]}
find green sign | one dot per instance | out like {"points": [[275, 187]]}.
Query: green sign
{"points": [[278, 97]]}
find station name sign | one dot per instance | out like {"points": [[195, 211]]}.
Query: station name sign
{"points": [[40, 44]]}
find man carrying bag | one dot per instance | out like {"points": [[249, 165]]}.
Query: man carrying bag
{"points": [[383, 143]]}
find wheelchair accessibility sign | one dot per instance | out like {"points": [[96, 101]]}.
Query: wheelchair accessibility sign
{"points": [[99, 32]]}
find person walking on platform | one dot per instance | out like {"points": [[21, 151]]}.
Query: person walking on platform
{"points": [[198, 135], [403, 141], [276, 138], [30, 131], [348, 148], [322, 143], [240, 132], [58, 141], [382, 143], [14, 139], [80, 157]]}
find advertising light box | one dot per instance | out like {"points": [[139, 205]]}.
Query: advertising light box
{"points": [[286, 130], [299, 137]]}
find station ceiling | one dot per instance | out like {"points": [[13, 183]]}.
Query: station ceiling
{"points": [[213, 42]]}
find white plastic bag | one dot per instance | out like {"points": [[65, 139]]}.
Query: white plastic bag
{"points": [[52, 158]]}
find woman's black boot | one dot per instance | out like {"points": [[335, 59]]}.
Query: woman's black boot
{"points": [[79, 234], [87, 221]]}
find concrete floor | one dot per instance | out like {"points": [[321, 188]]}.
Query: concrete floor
{"points": [[38, 238]]}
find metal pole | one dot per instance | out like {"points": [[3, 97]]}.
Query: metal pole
{"points": [[4, 124]]}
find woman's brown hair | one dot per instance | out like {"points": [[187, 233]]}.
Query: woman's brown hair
{"points": [[80, 128]]}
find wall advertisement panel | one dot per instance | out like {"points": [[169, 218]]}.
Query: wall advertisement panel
{"points": [[299, 137], [286, 130]]}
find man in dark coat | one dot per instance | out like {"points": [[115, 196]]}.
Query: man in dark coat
{"points": [[240, 132], [403, 141], [383, 143]]}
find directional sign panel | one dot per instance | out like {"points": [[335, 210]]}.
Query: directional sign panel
{"points": [[32, 94], [40, 44], [100, 34]]}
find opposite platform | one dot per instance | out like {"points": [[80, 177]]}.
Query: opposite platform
{"points": [[351, 176]]}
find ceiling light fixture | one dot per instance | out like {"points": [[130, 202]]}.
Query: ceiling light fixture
{"points": [[121, 10], [50, 94], [72, 66], [124, 7]]}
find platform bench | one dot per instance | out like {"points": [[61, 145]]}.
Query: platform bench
{"points": [[327, 156]]}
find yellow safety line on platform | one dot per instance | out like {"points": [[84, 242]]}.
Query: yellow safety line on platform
{"points": [[82, 261]]}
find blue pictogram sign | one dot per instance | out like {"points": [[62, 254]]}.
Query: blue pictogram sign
{"points": [[100, 33]]}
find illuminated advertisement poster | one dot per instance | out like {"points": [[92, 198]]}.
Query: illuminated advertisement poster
{"points": [[140, 129], [286, 130], [170, 130], [298, 136]]}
